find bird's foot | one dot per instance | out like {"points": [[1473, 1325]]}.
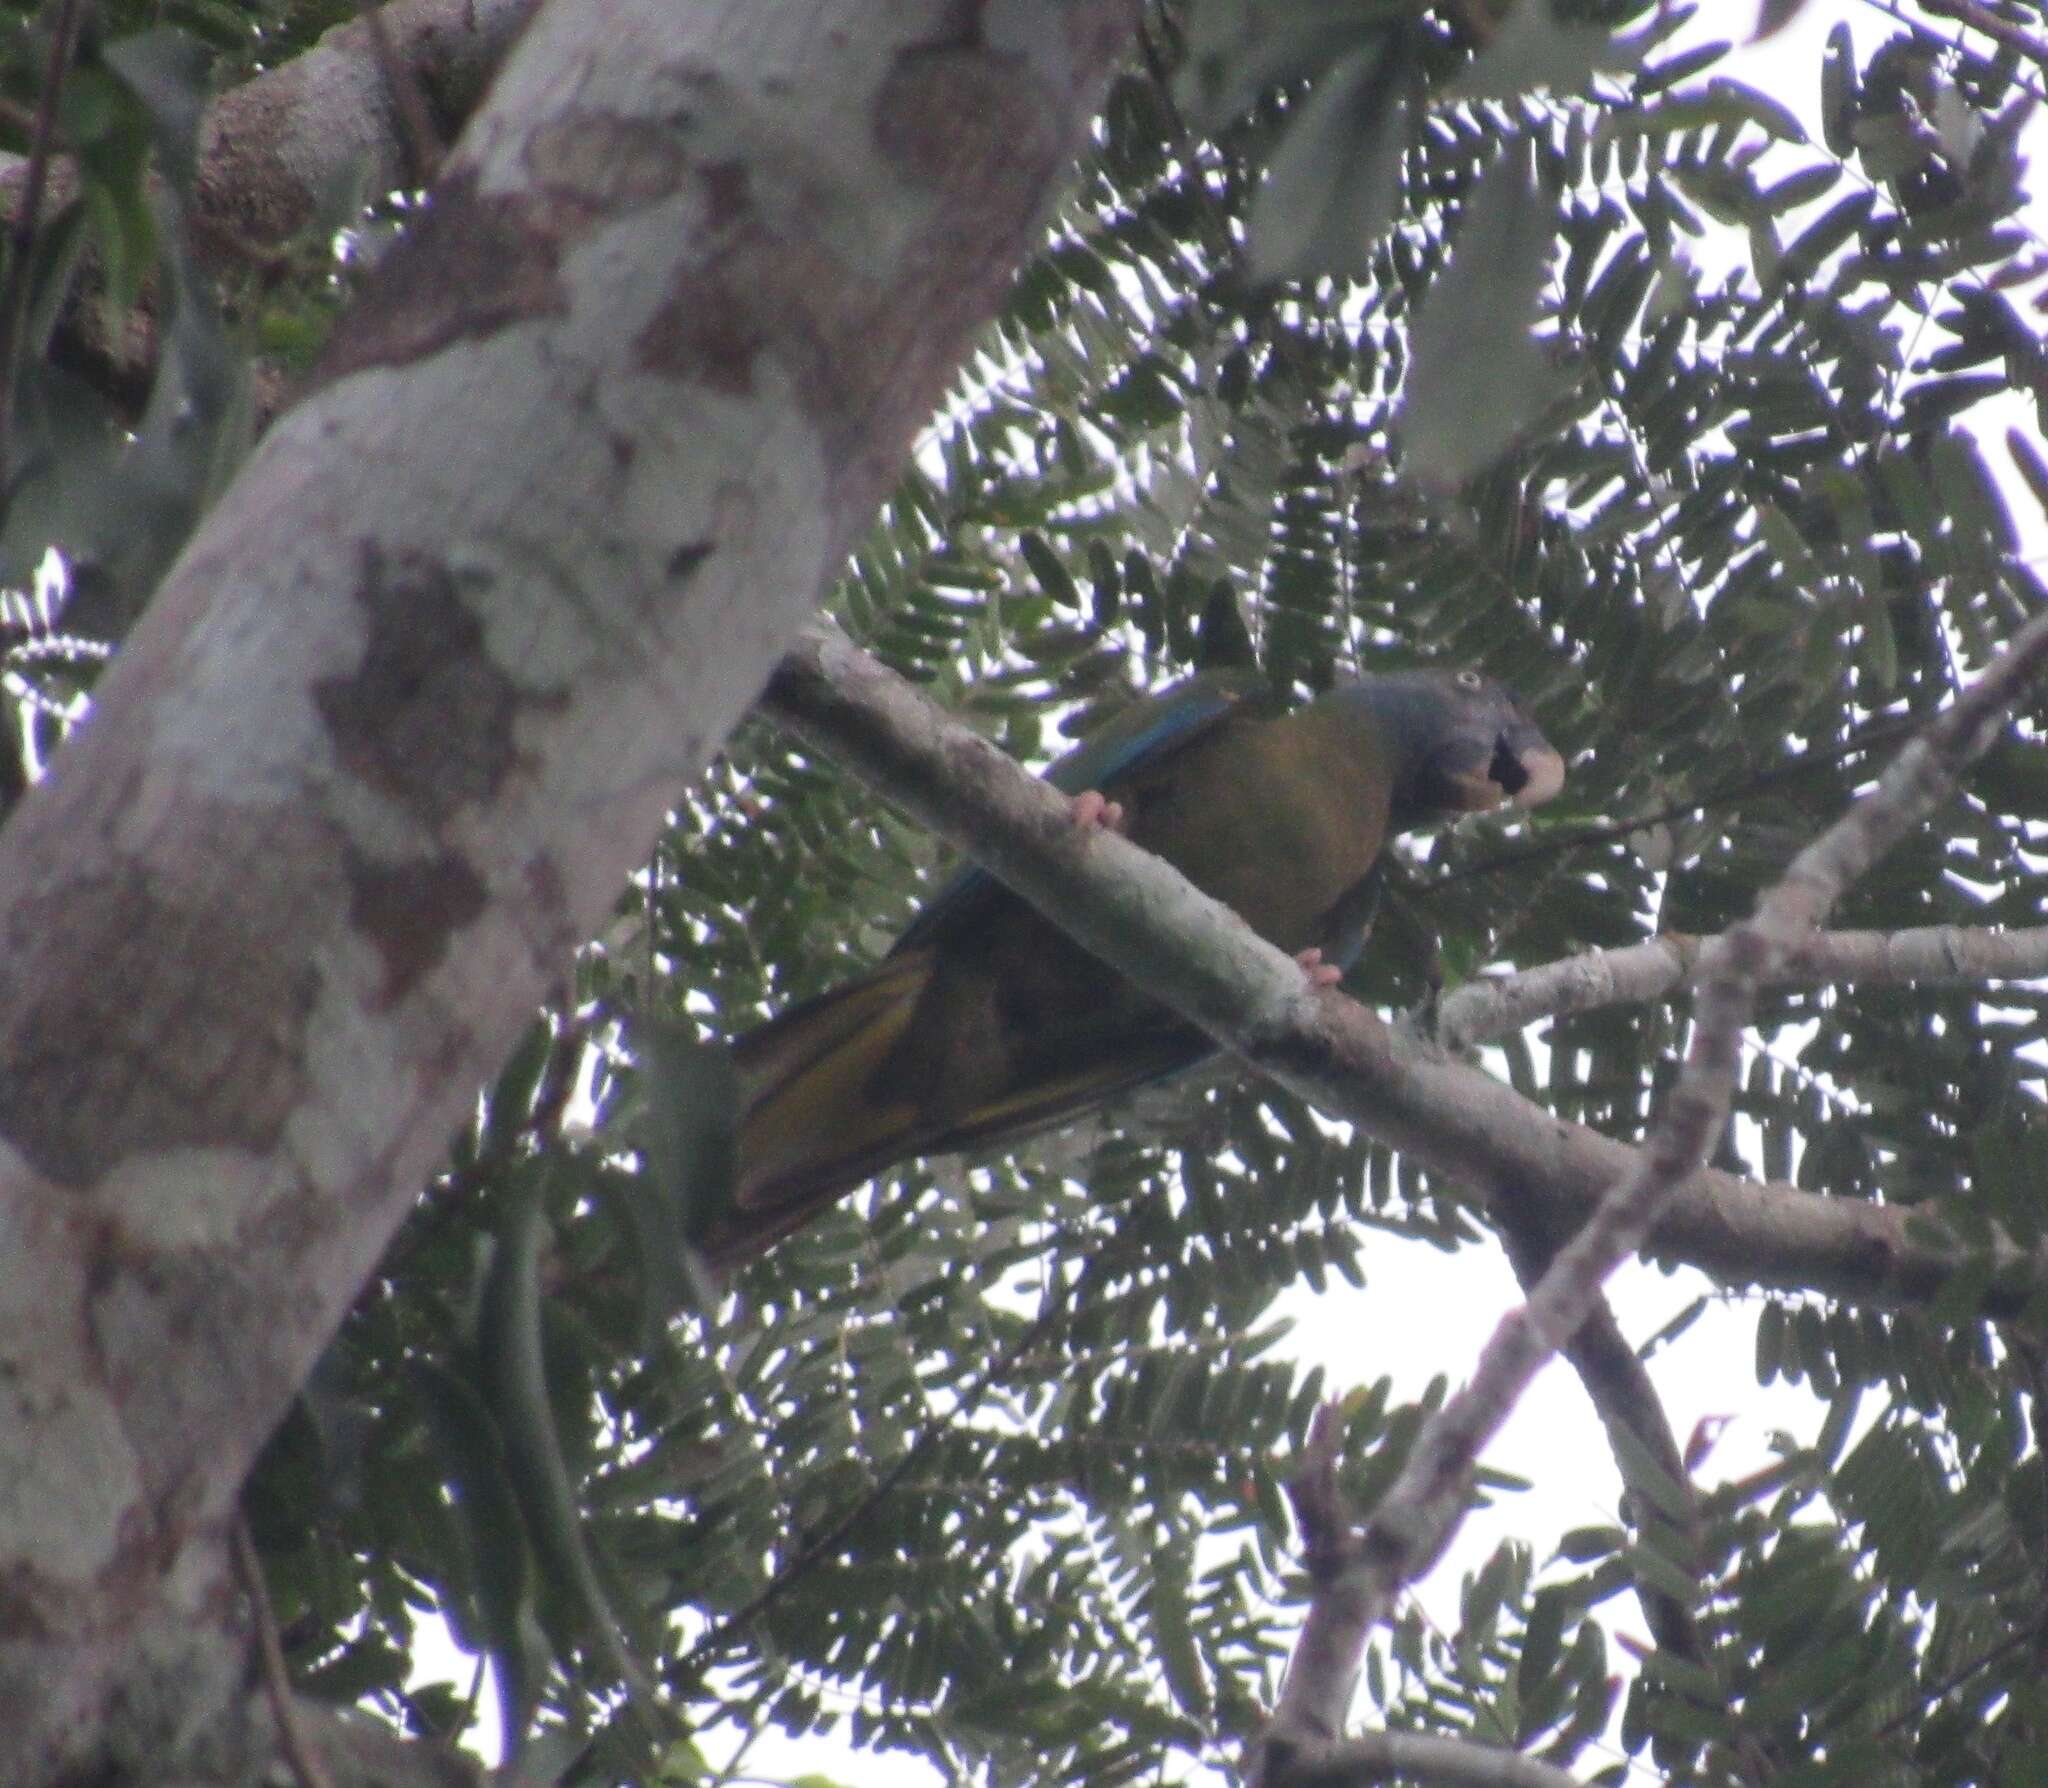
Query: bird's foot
{"points": [[1092, 808], [1424, 1020], [1319, 972]]}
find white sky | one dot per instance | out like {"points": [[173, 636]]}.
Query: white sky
{"points": [[1424, 1312]]}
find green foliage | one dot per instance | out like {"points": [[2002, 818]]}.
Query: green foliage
{"points": [[117, 502], [110, 471], [986, 1465]]}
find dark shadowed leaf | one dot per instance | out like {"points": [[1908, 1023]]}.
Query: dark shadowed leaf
{"points": [[167, 71], [500, 1563], [1478, 376], [688, 1099], [1332, 184], [1533, 50], [515, 1388], [1772, 16], [1239, 49]]}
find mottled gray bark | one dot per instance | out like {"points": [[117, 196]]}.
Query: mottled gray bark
{"points": [[408, 711]]}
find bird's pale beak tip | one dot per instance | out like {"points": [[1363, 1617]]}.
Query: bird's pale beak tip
{"points": [[1544, 770]]}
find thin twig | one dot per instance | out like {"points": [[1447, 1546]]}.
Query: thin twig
{"points": [[28, 222], [307, 1769], [1922, 1705], [1981, 19]]}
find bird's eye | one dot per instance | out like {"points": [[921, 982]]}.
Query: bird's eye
{"points": [[1468, 679]]}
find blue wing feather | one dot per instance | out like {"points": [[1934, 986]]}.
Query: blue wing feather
{"points": [[1142, 734]]}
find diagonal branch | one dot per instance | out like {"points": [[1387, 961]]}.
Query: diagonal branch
{"points": [[1421, 1511], [1660, 1504], [1194, 953], [471, 650], [1646, 1451]]}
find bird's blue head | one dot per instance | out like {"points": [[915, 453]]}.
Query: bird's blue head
{"points": [[1460, 743]]}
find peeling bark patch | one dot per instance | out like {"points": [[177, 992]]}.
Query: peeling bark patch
{"points": [[683, 562], [866, 349], [203, 1303], [711, 327], [545, 887], [706, 332], [775, 296], [136, 1033], [410, 912], [726, 198], [467, 268], [610, 163], [553, 933], [955, 118], [426, 716]]}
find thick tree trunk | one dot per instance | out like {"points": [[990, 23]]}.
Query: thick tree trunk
{"points": [[409, 710]]}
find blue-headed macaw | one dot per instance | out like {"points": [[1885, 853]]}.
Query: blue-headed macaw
{"points": [[987, 1021]]}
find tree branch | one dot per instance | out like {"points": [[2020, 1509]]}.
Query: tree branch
{"points": [[276, 151], [1415, 1757], [1618, 1385], [1660, 1505], [1484, 1011], [307, 1769], [1361, 1574], [1177, 943], [273, 150]]}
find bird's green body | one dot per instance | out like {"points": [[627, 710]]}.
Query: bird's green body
{"points": [[987, 1020]]}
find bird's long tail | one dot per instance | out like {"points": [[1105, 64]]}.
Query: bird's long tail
{"points": [[811, 1123], [822, 1107]]}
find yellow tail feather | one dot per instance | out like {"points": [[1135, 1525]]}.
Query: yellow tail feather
{"points": [[807, 1119], [826, 1102]]}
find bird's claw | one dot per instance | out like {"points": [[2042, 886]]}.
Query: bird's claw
{"points": [[1319, 972], [1424, 1020], [1092, 808]]}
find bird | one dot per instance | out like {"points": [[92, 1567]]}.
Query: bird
{"points": [[986, 1022]]}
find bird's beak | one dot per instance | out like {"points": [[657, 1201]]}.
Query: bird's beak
{"points": [[1524, 769], [1526, 766]]}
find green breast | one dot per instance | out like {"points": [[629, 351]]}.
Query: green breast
{"points": [[1278, 818]]}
